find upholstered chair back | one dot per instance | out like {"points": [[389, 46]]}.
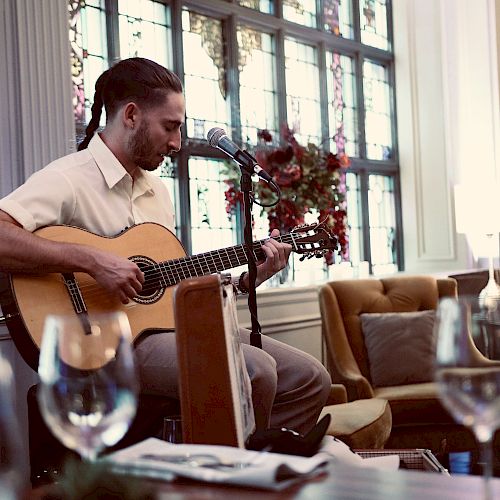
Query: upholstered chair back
{"points": [[342, 302]]}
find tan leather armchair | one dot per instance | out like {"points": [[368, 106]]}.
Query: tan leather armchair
{"points": [[418, 418]]}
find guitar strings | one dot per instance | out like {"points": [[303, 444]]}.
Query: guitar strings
{"points": [[189, 268]]}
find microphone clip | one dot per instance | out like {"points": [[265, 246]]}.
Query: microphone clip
{"points": [[246, 160]]}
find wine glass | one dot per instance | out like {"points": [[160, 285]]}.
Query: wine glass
{"points": [[468, 380], [88, 382], [11, 483]]}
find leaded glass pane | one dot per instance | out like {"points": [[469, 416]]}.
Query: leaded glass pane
{"points": [[204, 75], [381, 206], [355, 234], [373, 23], [300, 12], [298, 273], [144, 27], [378, 133], [257, 84], [87, 34], [302, 88], [338, 17], [342, 113], [265, 6], [310, 270], [167, 173], [210, 227]]}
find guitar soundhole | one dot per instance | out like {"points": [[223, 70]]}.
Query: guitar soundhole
{"points": [[152, 290]]}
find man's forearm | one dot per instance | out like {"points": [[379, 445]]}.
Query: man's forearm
{"points": [[22, 251]]}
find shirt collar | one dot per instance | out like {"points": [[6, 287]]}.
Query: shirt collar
{"points": [[112, 170]]}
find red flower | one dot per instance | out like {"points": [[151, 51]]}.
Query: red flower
{"points": [[265, 135], [311, 179]]}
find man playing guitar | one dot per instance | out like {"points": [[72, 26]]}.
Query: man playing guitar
{"points": [[106, 188]]}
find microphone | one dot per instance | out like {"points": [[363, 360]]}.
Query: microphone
{"points": [[217, 138]]}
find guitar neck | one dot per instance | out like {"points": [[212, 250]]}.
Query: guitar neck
{"points": [[174, 271]]}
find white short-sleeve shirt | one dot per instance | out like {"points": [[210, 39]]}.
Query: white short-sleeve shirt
{"points": [[90, 189]]}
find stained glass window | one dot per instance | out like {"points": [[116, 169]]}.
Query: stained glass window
{"points": [[144, 28], [258, 106], [373, 21], [282, 70], [87, 33], [382, 224], [204, 75], [338, 17], [378, 117], [167, 173], [302, 89], [265, 6], [300, 12], [342, 110]]}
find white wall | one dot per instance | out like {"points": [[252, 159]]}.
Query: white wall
{"points": [[448, 115]]}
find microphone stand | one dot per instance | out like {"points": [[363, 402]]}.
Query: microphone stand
{"points": [[246, 188]]}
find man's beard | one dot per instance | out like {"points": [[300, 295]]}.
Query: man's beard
{"points": [[142, 151]]}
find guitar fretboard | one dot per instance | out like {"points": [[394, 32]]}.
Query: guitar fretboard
{"points": [[171, 272]]}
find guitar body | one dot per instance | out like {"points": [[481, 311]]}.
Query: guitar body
{"points": [[27, 299]]}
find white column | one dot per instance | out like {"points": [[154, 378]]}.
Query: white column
{"points": [[36, 124], [38, 103], [10, 143]]}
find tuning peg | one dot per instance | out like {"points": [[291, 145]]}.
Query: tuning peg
{"points": [[302, 258]]}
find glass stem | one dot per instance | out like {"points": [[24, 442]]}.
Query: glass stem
{"points": [[89, 455], [486, 457]]}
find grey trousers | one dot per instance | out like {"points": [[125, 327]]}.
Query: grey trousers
{"points": [[289, 387]]}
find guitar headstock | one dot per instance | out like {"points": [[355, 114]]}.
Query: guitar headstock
{"points": [[313, 240]]}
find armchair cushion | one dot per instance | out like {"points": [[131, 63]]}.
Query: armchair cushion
{"points": [[400, 347], [338, 395], [365, 423]]}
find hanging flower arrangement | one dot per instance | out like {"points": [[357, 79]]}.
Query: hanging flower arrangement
{"points": [[311, 180]]}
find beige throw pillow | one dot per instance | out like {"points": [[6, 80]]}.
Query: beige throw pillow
{"points": [[401, 347]]}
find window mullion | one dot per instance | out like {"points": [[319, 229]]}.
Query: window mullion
{"points": [[391, 78], [232, 75], [183, 200], [320, 15], [323, 94], [399, 223], [178, 49], [281, 78], [360, 99], [390, 27], [183, 218], [365, 215], [112, 31], [278, 6], [355, 21]]}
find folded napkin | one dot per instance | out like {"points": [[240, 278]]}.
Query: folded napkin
{"points": [[340, 453], [215, 464], [228, 465]]}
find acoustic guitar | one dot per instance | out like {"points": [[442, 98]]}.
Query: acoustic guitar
{"points": [[27, 299]]}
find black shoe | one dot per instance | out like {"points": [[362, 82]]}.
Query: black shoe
{"points": [[290, 442]]}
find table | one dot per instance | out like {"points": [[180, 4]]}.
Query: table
{"points": [[337, 483]]}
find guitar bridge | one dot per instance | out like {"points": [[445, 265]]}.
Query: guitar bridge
{"points": [[74, 293]]}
